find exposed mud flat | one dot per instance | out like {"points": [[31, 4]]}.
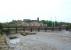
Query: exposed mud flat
{"points": [[57, 40]]}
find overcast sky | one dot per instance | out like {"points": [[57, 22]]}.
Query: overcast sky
{"points": [[58, 10]]}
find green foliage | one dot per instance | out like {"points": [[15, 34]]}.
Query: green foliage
{"points": [[49, 23], [1, 28], [43, 21], [68, 26], [56, 23]]}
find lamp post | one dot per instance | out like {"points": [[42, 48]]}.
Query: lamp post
{"points": [[52, 24]]}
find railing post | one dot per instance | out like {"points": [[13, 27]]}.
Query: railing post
{"points": [[31, 29], [38, 29], [16, 29], [45, 29], [24, 29]]}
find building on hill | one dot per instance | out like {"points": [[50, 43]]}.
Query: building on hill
{"points": [[28, 23]]}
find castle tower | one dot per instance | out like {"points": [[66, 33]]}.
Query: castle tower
{"points": [[38, 19]]}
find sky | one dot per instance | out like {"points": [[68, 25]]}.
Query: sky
{"points": [[55, 10]]}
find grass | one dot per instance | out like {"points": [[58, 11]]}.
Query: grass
{"points": [[2, 43], [2, 39]]}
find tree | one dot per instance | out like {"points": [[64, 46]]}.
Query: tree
{"points": [[43, 21], [56, 24], [49, 23], [1, 28]]}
